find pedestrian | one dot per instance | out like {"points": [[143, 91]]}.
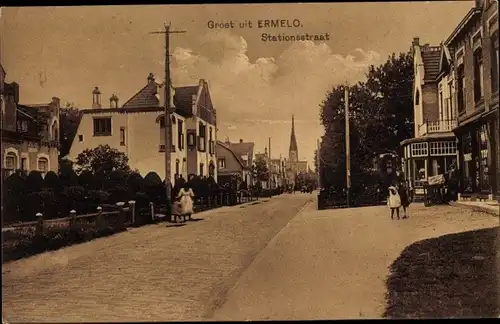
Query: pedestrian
{"points": [[405, 199], [394, 201], [186, 196]]}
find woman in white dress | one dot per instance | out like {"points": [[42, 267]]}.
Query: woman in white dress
{"points": [[186, 196]]}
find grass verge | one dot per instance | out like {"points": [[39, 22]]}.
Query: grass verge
{"points": [[450, 276]]}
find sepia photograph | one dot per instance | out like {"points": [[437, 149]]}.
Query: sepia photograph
{"points": [[250, 162]]}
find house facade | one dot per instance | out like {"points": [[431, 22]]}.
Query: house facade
{"points": [[230, 164], [137, 128], [245, 152], [474, 44], [30, 133], [433, 149], [456, 106]]}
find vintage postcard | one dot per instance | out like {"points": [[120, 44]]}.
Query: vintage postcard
{"points": [[248, 162]]}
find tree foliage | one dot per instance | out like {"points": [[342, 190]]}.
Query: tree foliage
{"points": [[69, 118], [380, 117], [260, 170], [102, 160]]}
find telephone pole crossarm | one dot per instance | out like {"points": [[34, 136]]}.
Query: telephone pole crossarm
{"points": [[167, 107]]}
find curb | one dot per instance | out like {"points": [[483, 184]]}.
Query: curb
{"points": [[476, 208]]}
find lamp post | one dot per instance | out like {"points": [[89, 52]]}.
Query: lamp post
{"points": [[347, 145]]}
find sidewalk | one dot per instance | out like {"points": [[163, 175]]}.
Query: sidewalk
{"points": [[488, 207], [333, 264]]}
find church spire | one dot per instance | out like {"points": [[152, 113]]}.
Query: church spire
{"points": [[293, 140]]}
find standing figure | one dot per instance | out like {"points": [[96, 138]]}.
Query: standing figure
{"points": [[394, 201], [405, 197], [186, 196]]}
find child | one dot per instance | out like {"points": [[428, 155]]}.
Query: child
{"points": [[405, 199], [394, 201]]}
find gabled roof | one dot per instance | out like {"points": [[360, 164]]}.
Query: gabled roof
{"points": [[242, 148], [238, 158], [183, 98], [444, 60], [146, 97], [473, 12], [431, 56]]}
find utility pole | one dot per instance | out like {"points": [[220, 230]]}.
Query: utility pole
{"points": [[347, 145], [167, 108], [318, 163]]}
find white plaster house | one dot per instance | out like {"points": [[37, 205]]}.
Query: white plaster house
{"points": [[137, 129]]}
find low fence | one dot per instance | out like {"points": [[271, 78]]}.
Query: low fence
{"points": [[333, 200]]}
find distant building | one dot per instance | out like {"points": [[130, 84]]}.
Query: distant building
{"points": [[137, 129], [245, 151], [293, 165], [230, 163], [30, 133]]}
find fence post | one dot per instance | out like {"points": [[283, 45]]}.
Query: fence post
{"points": [[120, 205], [99, 219], [39, 224], [152, 208], [132, 211], [72, 219]]}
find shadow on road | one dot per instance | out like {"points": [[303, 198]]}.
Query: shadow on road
{"points": [[176, 225], [449, 276], [195, 219]]}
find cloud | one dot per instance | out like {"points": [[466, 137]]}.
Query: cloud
{"points": [[268, 90], [270, 87]]}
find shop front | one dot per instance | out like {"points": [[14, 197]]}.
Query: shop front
{"points": [[425, 157], [478, 157]]}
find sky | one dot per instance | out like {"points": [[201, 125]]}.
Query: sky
{"points": [[256, 85]]}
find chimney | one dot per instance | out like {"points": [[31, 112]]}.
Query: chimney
{"points": [[241, 140], [113, 101], [151, 78], [56, 102], [416, 41], [96, 98]]}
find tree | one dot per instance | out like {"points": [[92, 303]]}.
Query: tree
{"points": [[69, 119], [102, 160], [260, 170], [381, 116]]}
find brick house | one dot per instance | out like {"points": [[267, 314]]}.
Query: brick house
{"points": [[456, 106], [230, 163], [433, 148], [30, 133], [474, 44], [137, 129], [245, 152]]}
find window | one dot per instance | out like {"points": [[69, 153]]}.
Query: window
{"points": [[102, 126], [22, 125], [441, 105], [10, 161], [177, 166], [478, 75], [80, 138], [43, 165], [201, 169], [180, 135], [222, 163], [191, 139], [451, 114], [461, 89], [122, 135], [417, 98], [467, 162], [494, 63], [419, 149], [202, 131], [211, 169], [24, 164], [443, 148], [419, 169], [483, 140]]}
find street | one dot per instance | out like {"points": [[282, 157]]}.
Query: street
{"points": [[276, 260]]}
